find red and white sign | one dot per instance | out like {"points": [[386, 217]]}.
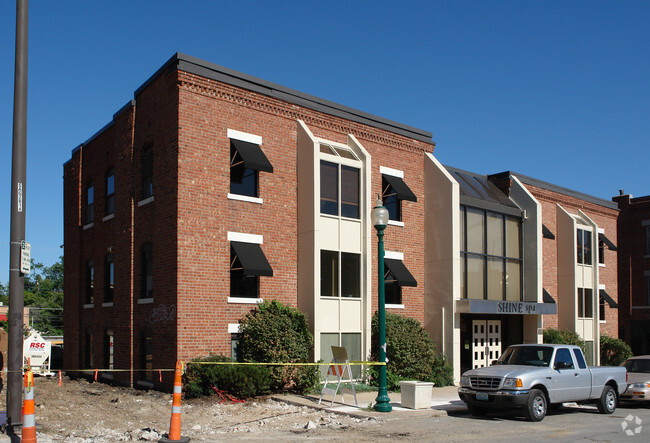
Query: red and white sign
{"points": [[36, 352]]}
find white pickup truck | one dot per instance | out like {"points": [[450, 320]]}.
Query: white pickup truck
{"points": [[535, 376]]}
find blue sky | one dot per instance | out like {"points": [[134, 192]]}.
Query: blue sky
{"points": [[557, 90]]}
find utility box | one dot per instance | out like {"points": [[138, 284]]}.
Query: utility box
{"points": [[416, 394]]}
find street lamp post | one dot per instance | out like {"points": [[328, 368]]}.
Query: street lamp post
{"points": [[379, 217]]}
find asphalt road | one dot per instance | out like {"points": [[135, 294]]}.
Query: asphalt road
{"points": [[629, 423]]}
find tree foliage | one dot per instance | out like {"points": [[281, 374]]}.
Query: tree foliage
{"points": [[44, 295], [411, 353], [563, 337]]}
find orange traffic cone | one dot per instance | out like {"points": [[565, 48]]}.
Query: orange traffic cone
{"points": [[175, 424], [29, 420]]}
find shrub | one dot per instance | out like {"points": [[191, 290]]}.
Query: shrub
{"points": [[411, 353], [613, 351], [241, 381], [274, 333], [563, 337]]}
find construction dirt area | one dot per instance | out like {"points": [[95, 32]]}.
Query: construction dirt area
{"points": [[82, 411]]}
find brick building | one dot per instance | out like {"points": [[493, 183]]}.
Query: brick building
{"points": [[634, 271], [213, 190]]}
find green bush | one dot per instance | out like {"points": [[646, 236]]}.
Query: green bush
{"points": [[563, 337], [274, 333], [613, 351], [241, 381], [411, 354]]}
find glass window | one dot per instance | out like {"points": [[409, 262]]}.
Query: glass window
{"points": [[329, 270], [349, 190], [475, 277], [495, 238], [89, 357], [392, 290], [513, 280], [147, 171], [329, 188], [563, 355], [146, 355], [585, 303], [235, 354], [108, 349], [601, 252], [243, 180], [352, 344], [340, 274], [647, 240], [513, 237], [90, 203], [495, 276], [579, 358], [109, 278], [647, 286], [584, 253], [90, 283], [601, 309], [475, 237], [146, 273], [110, 192], [327, 340], [241, 285], [390, 200]]}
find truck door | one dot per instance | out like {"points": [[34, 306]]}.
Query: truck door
{"points": [[569, 380]]}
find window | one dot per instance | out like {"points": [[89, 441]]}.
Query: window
{"points": [[601, 251], [235, 354], [339, 190], [393, 191], [147, 171], [585, 303], [108, 349], [563, 355], [579, 358], [247, 264], [396, 275], [88, 357], [146, 354], [109, 278], [350, 341], [246, 160], [647, 240], [647, 290], [90, 283], [491, 258], [340, 274], [90, 203], [583, 239], [601, 309], [146, 271], [110, 192]]}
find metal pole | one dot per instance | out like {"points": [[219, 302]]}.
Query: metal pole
{"points": [[382, 400], [18, 200]]}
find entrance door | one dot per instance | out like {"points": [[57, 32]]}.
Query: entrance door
{"points": [[486, 342]]}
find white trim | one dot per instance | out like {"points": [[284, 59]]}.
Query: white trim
{"points": [[390, 171], [145, 301], [89, 305], [107, 305], [394, 306], [145, 201], [245, 300], [109, 217], [394, 255], [233, 328], [601, 286], [89, 225], [395, 223], [244, 136], [601, 231], [245, 198], [601, 265], [245, 238]]}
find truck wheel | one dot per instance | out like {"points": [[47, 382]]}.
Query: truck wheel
{"points": [[477, 411], [607, 401], [536, 406]]}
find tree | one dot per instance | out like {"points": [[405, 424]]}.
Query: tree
{"points": [[44, 297]]}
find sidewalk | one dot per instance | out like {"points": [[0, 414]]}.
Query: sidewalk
{"points": [[442, 400]]}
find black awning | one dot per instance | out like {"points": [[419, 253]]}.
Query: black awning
{"points": [[611, 246], [402, 275], [252, 155], [401, 189], [610, 301], [252, 259], [546, 233], [547, 298]]}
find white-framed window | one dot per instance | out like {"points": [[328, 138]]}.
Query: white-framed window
{"points": [[247, 264], [583, 247], [246, 161], [585, 303], [339, 274], [393, 192]]}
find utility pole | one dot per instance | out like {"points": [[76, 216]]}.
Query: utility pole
{"points": [[18, 200]]}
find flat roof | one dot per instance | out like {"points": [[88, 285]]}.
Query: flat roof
{"points": [[196, 66]]}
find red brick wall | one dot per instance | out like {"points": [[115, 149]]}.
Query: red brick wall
{"points": [[605, 218]]}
